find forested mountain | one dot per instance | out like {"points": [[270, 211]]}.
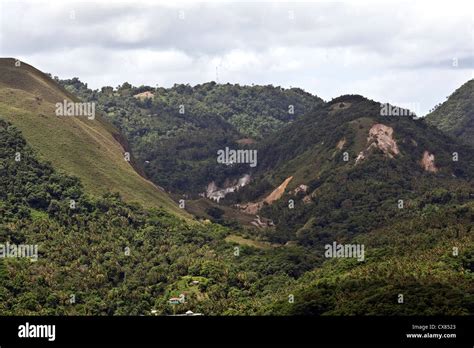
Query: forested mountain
{"points": [[176, 132], [88, 147], [108, 257], [347, 166], [342, 172], [399, 187], [456, 115], [419, 265], [84, 268]]}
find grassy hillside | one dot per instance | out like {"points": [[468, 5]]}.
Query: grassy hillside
{"points": [[92, 150], [456, 115]]}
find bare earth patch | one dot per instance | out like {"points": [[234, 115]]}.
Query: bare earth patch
{"points": [[427, 162], [278, 192], [380, 136], [253, 208], [246, 141], [340, 106], [341, 143], [144, 95]]}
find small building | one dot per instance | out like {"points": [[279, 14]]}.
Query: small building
{"points": [[174, 300], [177, 300]]}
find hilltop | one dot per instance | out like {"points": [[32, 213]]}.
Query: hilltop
{"points": [[337, 172], [91, 149], [456, 115], [175, 132], [345, 167]]}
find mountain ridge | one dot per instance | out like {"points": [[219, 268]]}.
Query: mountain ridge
{"points": [[341, 173], [455, 116], [28, 98]]}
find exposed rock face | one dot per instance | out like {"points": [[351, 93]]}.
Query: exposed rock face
{"points": [[278, 192], [428, 162], [360, 157], [144, 95], [341, 143], [253, 208], [215, 193], [380, 136], [262, 223], [300, 188]]}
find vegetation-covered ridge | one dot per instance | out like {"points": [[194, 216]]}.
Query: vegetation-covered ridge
{"points": [[90, 148], [176, 132], [103, 256], [456, 115], [350, 167], [108, 257], [397, 189]]}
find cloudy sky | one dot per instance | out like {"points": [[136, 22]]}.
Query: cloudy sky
{"points": [[398, 52]]}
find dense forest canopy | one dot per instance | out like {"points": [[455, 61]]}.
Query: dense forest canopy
{"points": [[113, 257], [84, 267], [176, 132], [456, 115]]}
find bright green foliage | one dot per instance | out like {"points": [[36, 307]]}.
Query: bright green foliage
{"points": [[456, 115]]}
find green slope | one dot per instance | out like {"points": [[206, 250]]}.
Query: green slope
{"points": [[178, 149], [427, 259], [346, 198], [408, 251], [82, 251], [92, 150], [456, 115]]}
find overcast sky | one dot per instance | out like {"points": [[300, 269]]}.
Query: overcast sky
{"points": [[398, 52]]}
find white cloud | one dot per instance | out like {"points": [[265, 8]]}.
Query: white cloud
{"points": [[394, 51]]}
